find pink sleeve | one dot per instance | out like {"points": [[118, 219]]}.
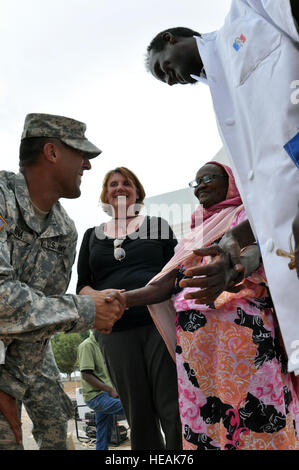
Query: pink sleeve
{"points": [[240, 217]]}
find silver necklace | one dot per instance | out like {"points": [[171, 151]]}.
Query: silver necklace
{"points": [[119, 253]]}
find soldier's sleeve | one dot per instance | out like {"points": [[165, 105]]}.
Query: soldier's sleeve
{"points": [[24, 310]]}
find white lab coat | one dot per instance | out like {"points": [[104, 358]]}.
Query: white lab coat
{"points": [[252, 63]]}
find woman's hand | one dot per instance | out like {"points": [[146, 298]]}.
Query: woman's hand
{"points": [[116, 294]]}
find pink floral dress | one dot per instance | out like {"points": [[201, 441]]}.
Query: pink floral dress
{"points": [[234, 389]]}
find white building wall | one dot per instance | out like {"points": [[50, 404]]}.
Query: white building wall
{"points": [[178, 206]]}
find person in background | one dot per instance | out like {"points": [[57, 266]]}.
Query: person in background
{"points": [[234, 388], [251, 68], [37, 251], [125, 253], [98, 391]]}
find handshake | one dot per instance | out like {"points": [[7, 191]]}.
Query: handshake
{"points": [[110, 305]]}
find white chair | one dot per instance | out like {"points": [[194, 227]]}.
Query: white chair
{"points": [[81, 410]]}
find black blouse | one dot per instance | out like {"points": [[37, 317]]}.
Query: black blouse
{"points": [[147, 251]]}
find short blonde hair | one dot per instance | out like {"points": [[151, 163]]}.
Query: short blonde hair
{"points": [[130, 177]]}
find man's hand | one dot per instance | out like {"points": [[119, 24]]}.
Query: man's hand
{"points": [[111, 296], [230, 245], [216, 277], [107, 311], [296, 238], [233, 240], [9, 409]]}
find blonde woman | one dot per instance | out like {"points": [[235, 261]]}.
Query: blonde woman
{"points": [[125, 253]]}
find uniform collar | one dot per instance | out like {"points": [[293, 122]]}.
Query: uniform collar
{"points": [[59, 222]]}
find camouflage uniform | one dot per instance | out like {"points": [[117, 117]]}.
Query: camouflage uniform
{"points": [[35, 269]]}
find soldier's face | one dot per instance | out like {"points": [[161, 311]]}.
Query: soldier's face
{"points": [[71, 165]]}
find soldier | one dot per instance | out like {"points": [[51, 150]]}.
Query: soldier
{"points": [[37, 251]]}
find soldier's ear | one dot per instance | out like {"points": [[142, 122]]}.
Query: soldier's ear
{"points": [[49, 152]]}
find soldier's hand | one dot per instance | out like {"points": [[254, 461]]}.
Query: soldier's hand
{"points": [[111, 296], [9, 409], [107, 312]]}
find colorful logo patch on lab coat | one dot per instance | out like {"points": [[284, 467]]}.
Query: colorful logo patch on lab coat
{"points": [[292, 148], [2, 222], [239, 42]]}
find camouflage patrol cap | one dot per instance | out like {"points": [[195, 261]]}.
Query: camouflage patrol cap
{"points": [[69, 131]]}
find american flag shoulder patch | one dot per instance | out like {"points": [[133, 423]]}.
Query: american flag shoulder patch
{"points": [[2, 223]]}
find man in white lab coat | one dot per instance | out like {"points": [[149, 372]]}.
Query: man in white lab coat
{"points": [[252, 68]]}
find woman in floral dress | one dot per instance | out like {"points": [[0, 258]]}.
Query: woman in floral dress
{"points": [[234, 388]]}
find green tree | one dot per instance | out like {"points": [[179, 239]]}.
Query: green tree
{"points": [[84, 335], [65, 347]]}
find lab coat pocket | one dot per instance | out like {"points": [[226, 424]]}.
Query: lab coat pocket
{"points": [[292, 148], [249, 43]]}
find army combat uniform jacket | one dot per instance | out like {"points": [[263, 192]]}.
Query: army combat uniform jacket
{"points": [[35, 269]]}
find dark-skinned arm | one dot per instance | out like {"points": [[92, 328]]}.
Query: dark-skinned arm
{"points": [[227, 254], [228, 267], [153, 293], [88, 376], [219, 275]]}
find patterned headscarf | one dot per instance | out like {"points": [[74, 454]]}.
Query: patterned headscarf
{"points": [[233, 198]]}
